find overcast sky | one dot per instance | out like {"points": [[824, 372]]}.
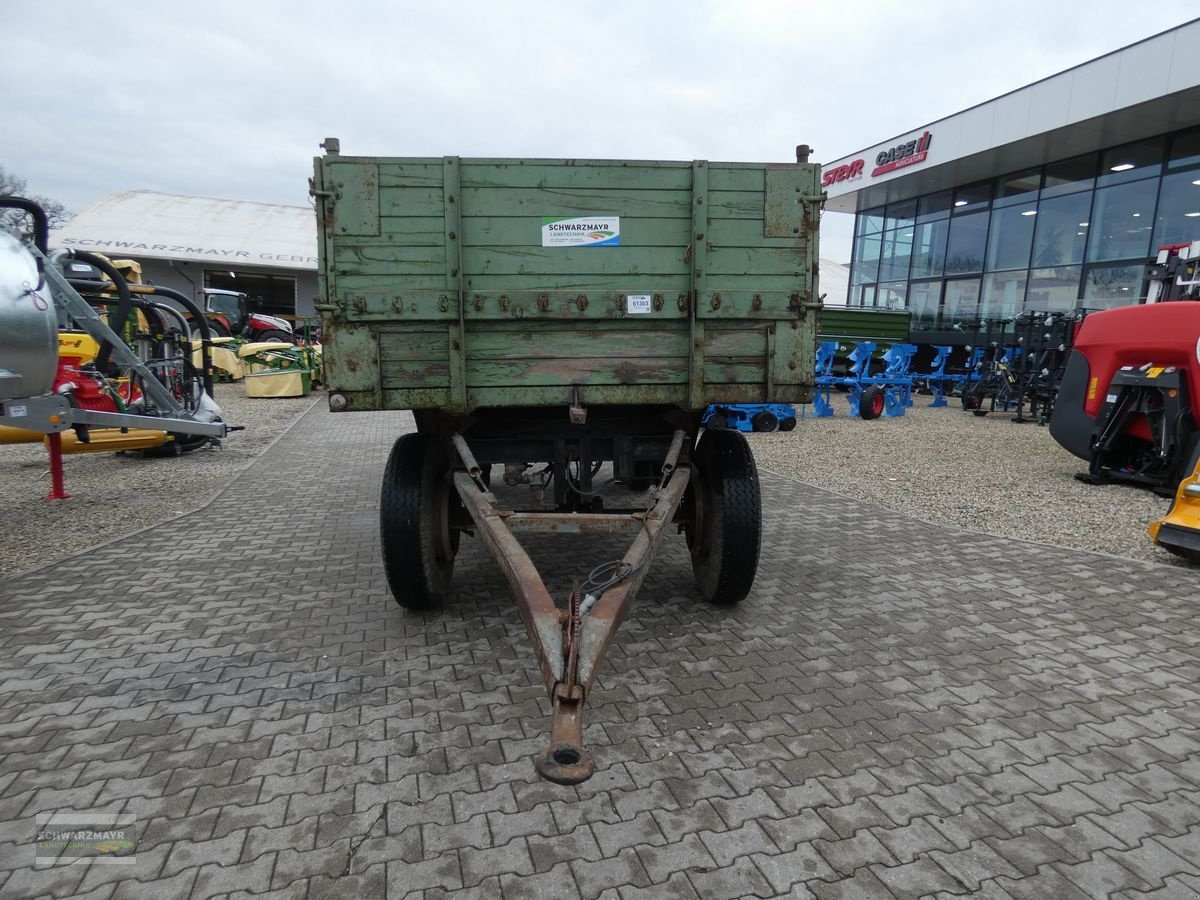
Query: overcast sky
{"points": [[231, 99]]}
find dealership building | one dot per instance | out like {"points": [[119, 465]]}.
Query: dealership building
{"points": [[268, 251], [1051, 197]]}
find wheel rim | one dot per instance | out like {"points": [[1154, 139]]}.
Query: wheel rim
{"points": [[877, 404]]}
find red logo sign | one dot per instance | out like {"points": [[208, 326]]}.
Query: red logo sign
{"points": [[841, 173], [902, 155]]}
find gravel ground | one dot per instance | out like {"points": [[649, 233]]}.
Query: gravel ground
{"points": [[114, 494], [984, 473]]}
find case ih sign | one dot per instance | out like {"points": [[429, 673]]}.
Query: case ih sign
{"points": [[902, 155], [899, 157]]}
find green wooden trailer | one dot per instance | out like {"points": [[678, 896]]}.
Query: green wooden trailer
{"points": [[570, 314]]}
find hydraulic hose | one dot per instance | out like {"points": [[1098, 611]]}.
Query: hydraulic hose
{"points": [[41, 229], [202, 323]]}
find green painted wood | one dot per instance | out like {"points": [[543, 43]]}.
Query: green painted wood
{"points": [[496, 343], [419, 344], [698, 281], [741, 370], [469, 309], [849, 323], [524, 231], [723, 342], [414, 374], [455, 277], [574, 370], [550, 175], [572, 202], [569, 261]]}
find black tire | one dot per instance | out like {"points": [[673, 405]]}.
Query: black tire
{"points": [[787, 424], [726, 509], [765, 421], [971, 400], [871, 403], [282, 336], [414, 523], [216, 329]]}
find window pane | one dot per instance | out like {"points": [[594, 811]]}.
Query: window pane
{"points": [[1185, 150], [1122, 221], [866, 259], [897, 248], [1003, 294], [1178, 219], [968, 234], [962, 302], [862, 295], [1070, 175], [1011, 237], [1018, 188], [890, 296], [1106, 286], [972, 198], [869, 221], [935, 206], [929, 248], [900, 214], [923, 299], [1141, 159], [1062, 227], [1053, 290]]}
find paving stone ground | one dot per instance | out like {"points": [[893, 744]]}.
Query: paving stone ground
{"points": [[898, 710]]}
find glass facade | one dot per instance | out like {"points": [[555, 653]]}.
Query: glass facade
{"points": [[1074, 233]]}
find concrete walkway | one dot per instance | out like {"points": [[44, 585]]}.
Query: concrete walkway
{"points": [[897, 710]]}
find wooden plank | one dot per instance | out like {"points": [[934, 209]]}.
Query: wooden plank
{"points": [[526, 231], [416, 343], [495, 343], [409, 374], [566, 174], [559, 396], [734, 370], [725, 342], [575, 202], [411, 201], [402, 231], [722, 177], [628, 284], [735, 205], [359, 282], [573, 261], [749, 233], [406, 174], [747, 261], [388, 260], [576, 370]]}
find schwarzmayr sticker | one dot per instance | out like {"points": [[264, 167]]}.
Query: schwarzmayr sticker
{"points": [[581, 231]]}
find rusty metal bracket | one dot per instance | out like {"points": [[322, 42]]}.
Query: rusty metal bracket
{"points": [[570, 643]]}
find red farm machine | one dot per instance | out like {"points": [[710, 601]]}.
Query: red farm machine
{"points": [[1128, 399]]}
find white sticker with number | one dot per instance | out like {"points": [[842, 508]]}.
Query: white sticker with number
{"points": [[16, 411], [638, 304]]}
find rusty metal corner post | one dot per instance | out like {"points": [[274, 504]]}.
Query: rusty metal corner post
{"points": [[570, 644]]}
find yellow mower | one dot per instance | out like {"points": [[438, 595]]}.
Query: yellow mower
{"points": [[1179, 530]]}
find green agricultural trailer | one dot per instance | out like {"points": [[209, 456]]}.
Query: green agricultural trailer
{"points": [[553, 316]]}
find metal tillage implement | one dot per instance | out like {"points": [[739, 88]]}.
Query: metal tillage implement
{"points": [[556, 317]]}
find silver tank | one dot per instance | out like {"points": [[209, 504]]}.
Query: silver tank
{"points": [[28, 325]]}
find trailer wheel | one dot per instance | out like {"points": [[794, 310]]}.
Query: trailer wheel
{"points": [[726, 510], [870, 404], [414, 523]]}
